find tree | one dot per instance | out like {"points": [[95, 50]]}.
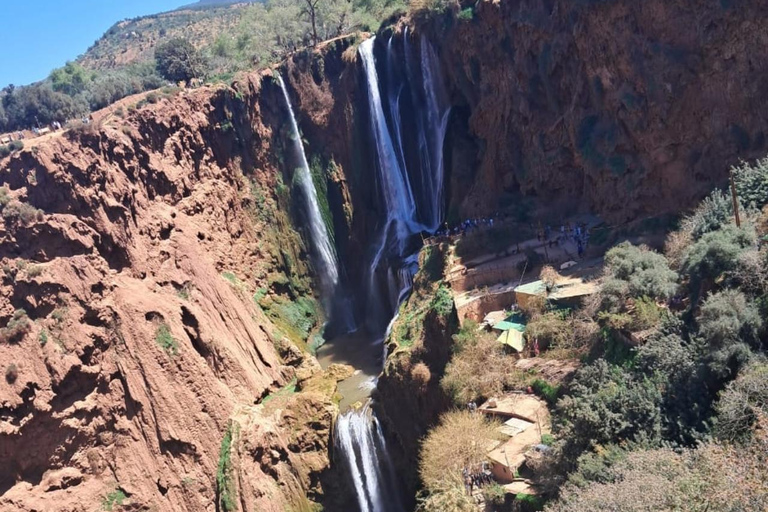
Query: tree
{"points": [[713, 477], [460, 441], [752, 183], [605, 405], [72, 79], [310, 10], [646, 272], [713, 212], [715, 253], [479, 368], [179, 61]]}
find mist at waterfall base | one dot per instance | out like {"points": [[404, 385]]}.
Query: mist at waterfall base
{"points": [[407, 112]]}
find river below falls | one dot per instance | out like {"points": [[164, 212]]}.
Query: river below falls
{"points": [[365, 354]]}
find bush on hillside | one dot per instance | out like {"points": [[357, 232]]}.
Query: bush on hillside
{"points": [[743, 403], [605, 404], [712, 477], [479, 369], [640, 272], [179, 61], [728, 318], [715, 211], [16, 328], [23, 212], [752, 183], [715, 253]]}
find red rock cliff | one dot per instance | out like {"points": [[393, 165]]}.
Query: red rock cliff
{"points": [[132, 342]]}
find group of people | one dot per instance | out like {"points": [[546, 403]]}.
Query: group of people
{"points": [[476, 476], [469, 225], [578, 233]]}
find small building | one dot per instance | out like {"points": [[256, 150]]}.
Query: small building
{"points": [[524, 419], [568, 292]]}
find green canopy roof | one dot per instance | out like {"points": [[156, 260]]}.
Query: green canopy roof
{"points": [[514, 321]]}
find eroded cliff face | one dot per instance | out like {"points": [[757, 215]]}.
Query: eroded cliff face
{"points": [[134, 259], [624, 108]]}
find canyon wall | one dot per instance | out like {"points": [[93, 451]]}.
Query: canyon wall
{"points": [[139, 368], [628, 109]]}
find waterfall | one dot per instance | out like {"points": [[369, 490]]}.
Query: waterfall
{"points": [[322, 247], [365, 452], [408, 209]]}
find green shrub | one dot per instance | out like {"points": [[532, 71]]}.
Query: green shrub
{"points": [[442, 302], [225, 484], [23, 212], [466, 14], [494, 494], [165, 339], [742, 403], [18, 326], [35, 270], [597, 466], [529, 502], [43, 337], [546, 390], [606, 404], [641, 271], [646, 314], [752, 183], [715, 211], [152, 97], [716, 252], [116, 497], [727, 318]]}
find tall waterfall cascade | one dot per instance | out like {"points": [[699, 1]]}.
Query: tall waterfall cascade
{"points": [[409, 182], [322, 246]]}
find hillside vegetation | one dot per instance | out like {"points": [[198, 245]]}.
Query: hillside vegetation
{"points": [[224, 40], [670, 408]]}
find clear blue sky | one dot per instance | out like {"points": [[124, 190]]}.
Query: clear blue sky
{"points": [[37, 36]]}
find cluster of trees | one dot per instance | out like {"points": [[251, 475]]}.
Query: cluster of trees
{"points": [[266, 32], [71, 92], [670, 408], [679, 422]]}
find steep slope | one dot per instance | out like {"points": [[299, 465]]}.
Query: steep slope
{"points": [[134, 40], [140, 341]]}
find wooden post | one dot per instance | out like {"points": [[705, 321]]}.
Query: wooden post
{"points": [[735, 197]]}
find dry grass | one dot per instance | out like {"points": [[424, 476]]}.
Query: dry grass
{"points": [[481, 369], [461, 440]]}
